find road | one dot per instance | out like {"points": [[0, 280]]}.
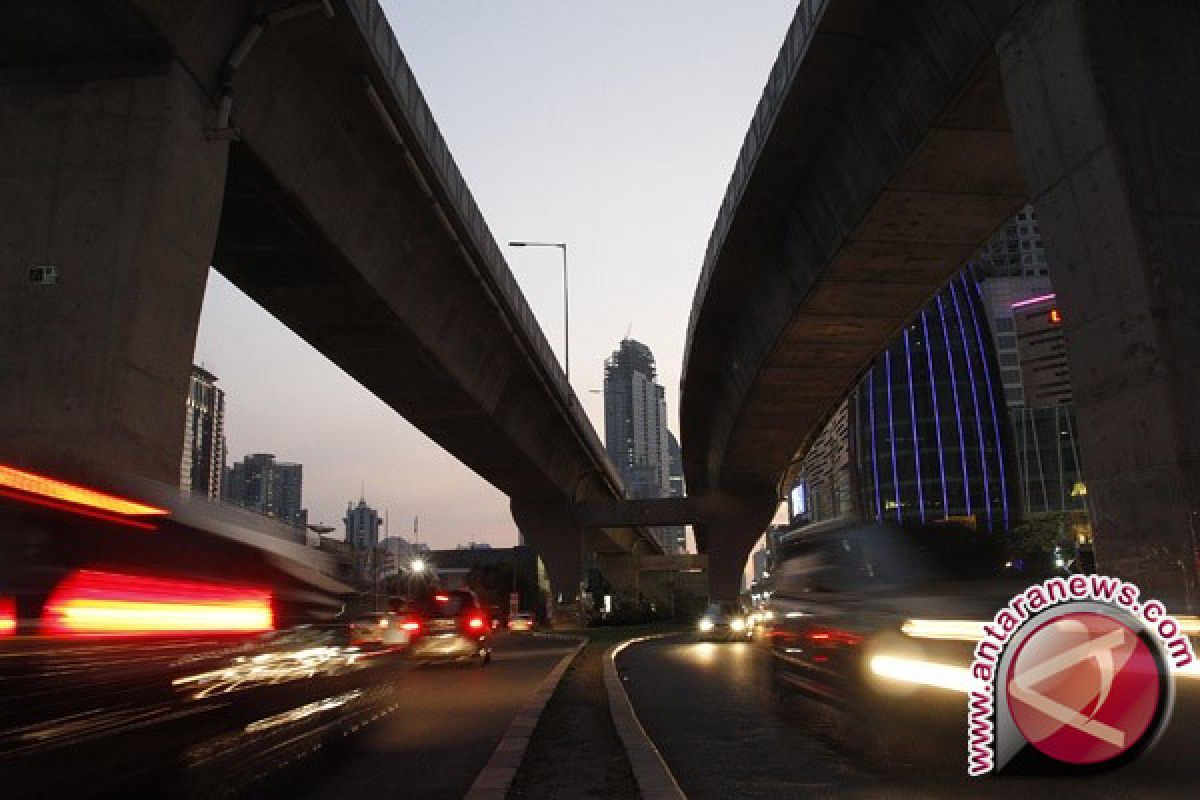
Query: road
{"points": [[716, 717], [448, 722], [291, 715]]}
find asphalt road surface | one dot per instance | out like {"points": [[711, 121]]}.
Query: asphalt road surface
{"points": [[725, 730], [289, 715], [448, 721]]}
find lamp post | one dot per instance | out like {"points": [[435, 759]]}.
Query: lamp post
{"points": [[566, 301], [567, 370]]}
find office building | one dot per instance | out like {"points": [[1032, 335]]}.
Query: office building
{"points": [[931, 437], [270, 487], [967, 414], [362, 534], [1044, 425], [203, 464], [1043, 352], [1010, 268], [1013, 275]]}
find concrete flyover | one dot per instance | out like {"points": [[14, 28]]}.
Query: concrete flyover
{"points": [[891, 140], [288, 145]]}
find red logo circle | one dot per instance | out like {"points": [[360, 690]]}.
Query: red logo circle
{"points": [[1083, 688]]}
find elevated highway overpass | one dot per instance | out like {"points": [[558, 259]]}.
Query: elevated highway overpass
{"points": [[288, 145], [891, 141]]}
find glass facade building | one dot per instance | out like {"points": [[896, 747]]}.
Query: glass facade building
{"points": [[931, 432], [967, 413]]}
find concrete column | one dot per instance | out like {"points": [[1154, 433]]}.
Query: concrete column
{"points": [[619, 570], [1104, 97], [729, 546], [550, 530], [113, 184]]}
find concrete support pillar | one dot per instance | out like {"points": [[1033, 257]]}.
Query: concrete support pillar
{"points": [[113, 184], [728, 546], [550, 530], [619, 570], [1104, 97]]}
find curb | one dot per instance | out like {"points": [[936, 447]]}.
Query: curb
{"points": [[496, 777], [653, 776]]}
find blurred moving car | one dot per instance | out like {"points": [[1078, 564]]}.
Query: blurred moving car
{"points": [[881, 620], [522, 621], [450, 626], [157, 644], [382, 628], [725, 622]]}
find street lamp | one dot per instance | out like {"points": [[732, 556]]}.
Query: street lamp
{"points": [[566, 301], [416, 568]]}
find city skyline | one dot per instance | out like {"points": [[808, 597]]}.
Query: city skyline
{"points": [[614, 111]]}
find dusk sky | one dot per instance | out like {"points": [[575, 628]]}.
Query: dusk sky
{"points": [[612, 126]]}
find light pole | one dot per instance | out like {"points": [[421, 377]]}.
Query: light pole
{"points": [[566, 301]]}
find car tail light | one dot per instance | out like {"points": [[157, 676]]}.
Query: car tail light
{"points": [[476, 623], [89, 602], [41, 490], [410, 625], [442, 598], [833, 637], [8, 616]]}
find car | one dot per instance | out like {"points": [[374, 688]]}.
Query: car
{"points": [[880, 620], [522, 621], [379, 628], [725, 621], [449, 625]]}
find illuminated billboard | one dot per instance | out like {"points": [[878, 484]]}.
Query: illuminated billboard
{"points": [[797, 504]]}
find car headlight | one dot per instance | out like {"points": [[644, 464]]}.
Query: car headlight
{"points": [[738, 624], [921, 672], [963, 630], [706, 624]]}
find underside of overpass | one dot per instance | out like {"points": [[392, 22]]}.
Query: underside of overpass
{"points": [[288, 145], [892, 139]]}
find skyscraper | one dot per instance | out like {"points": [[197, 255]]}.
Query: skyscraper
{"points": [[635, 426], [270, 487], [635, 420], [202, 466], [1010, 268], [362, 533], [1013, 274]]}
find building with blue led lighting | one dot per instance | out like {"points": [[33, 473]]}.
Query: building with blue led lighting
{"points": [[930, 434]]}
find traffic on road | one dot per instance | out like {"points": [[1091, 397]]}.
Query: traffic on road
{"points": [[151, 648]]}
